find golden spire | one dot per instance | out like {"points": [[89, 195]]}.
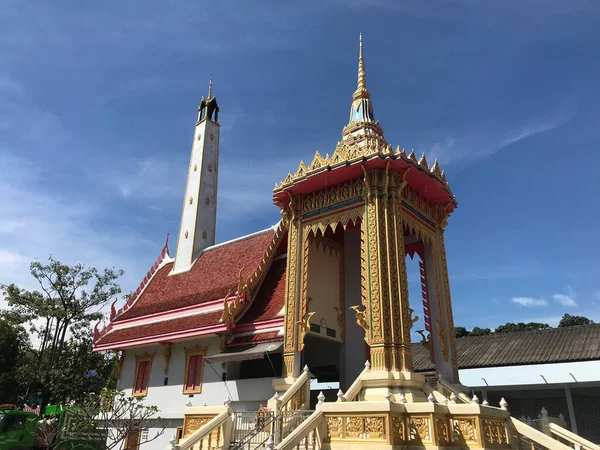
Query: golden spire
{"points": [[361, 90]]}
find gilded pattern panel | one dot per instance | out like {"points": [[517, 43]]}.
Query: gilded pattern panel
{"points": [[290, 299], [494, 433], [398, 430], [332, 198], [335, 428], [430, 211], [306, 238], [194, 423], [465, 430], [442, 430], [418, 429], [353, 428]]}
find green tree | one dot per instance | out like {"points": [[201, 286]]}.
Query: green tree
{"points": [[14, 351], [60, 313], [119, 416], [568, 321], [513, 327], [480, 331], [460, 332]]}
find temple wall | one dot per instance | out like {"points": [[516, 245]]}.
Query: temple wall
{"points": [[324, 287], [353, 354], [170, 399]]}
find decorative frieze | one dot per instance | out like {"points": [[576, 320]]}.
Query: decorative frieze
{"points": [[356, 427]]}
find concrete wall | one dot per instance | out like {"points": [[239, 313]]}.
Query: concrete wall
{"points": [[170, 399], [531, 374]]}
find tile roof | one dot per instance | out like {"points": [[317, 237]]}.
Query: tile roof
{"points": [[266, 305], [270, 298], [553, 345], [180, 324], [215, 273], [270, 336]]}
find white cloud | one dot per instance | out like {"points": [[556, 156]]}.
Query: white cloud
{"points": [[564, 300], [568, 299], [474, 147], [529, 302]]}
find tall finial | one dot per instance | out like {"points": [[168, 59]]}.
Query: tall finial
{"points": [[210, 88], [361, 90]]}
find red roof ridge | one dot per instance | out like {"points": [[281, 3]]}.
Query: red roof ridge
{"points": [[235, 310], [241, 238], [163, 259]]}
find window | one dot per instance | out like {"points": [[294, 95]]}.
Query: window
{"points": [[143, 365], [132, 441], [179, 434], [194, 365]]}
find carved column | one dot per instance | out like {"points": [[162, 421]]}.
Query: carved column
{"points": [[291, 356], [386, 319], [446, 331]]}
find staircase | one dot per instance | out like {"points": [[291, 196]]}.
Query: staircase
{"points": [[424, 417]]}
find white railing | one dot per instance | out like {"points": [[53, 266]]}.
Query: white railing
{"points": [[297, 396], [214, 435], [537, 438], [353, 392], [308, 435], [573, 439], [459, 396]]}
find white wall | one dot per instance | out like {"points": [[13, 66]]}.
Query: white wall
{"points": [[531, 374], [353, 355], [324, 287], [171, 400]]}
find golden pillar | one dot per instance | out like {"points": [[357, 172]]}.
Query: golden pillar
{"points": [[386, 319], [290, 354]]}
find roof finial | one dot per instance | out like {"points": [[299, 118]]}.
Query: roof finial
{"points": [[361, 90], [210, 88]]}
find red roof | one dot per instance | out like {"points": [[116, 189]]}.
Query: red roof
{"points": [[215, 274], [270, 336], [181, 324], [270, 298]]}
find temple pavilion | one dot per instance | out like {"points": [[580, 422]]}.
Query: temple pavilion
{"points": [[226, 338]]}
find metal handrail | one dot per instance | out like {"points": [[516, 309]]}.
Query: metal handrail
{"points": [[281, 425]]}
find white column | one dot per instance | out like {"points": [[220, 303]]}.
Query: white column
{"points": [[572, 419]]}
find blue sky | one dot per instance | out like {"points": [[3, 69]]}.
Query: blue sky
{"points": [[98, 102]]}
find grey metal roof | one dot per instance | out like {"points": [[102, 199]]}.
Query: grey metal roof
{"points": [[553, 345]]}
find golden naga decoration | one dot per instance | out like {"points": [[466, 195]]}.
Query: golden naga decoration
{"points": [[119, 358], [412, 319], [303, 329], [425, 341], [361, 319], [441, 335], [166, 355]]}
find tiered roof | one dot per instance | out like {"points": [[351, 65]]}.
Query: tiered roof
{"points": [[233, 288]]}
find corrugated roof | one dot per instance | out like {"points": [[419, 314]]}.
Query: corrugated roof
{"points": [[553, 345]]}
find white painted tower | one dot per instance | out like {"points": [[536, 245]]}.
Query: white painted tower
{"points": [[199, 212]]}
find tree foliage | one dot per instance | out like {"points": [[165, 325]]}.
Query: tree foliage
{"points": [[60, 314], [14, 353], [510, 327], [568, 321], [118, 415]]}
